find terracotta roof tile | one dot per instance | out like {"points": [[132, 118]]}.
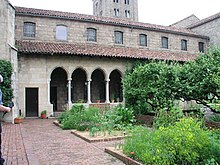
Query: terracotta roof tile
{"points": [[107, 20], [75, 49]]}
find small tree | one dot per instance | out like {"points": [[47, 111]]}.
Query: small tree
{"points": [[151, 86]]}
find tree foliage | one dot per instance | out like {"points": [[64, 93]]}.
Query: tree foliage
{"points": [[6, 72], [158, 84]]}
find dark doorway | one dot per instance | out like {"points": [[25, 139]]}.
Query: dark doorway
{"points": [[98, 86], [53, 97], [58, 89], [31, 97], [79, 88]]}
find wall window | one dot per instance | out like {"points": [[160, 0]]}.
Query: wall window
{"points": [[116, 12], [91, 34], [61, 32], [115, 1], [143, 39], [164, 42], [201, 47], [184, 45], [118, 37], [127, 13], [127, 2], [29, 29]]}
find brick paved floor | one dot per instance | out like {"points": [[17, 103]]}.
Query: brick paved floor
{"points": [[38, 141]]}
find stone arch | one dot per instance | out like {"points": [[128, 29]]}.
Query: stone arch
{"points": [[58, 89], [79, 85], [115, 86], [98, 91]]}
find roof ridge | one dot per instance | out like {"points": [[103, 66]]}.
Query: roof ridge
{"points": [[205, 20], [107, 20]]}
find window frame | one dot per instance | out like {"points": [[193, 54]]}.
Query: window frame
{"points": [[127, 14], [127, 2], [163, 44], [203, 47], [118, 36], [116, 12], [29, 29], [59, 30], [141, 36], [90, 37], [184, 45]]}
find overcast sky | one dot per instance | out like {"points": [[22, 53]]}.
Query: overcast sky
{"points": [[161, 12]]}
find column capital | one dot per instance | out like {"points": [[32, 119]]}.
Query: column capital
{"points": [[107, 80], [89, 80]]}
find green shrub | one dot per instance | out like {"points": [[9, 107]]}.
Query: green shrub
{"points": [[185, 142], [166, 118], [79, 118], [215, 118], [6, 72]]}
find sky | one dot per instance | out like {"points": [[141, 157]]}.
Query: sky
{"points": [[161, 12]]}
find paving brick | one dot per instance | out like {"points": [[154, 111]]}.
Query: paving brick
{"points": [[40, 142]]}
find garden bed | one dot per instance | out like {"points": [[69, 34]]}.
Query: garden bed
{"points": [[211, 124], [99, 137], [119, 155]]}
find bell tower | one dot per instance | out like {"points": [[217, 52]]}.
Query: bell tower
{"points": [[125, 9]]}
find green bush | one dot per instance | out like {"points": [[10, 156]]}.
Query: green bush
{"points": [[166, 118], [79, 118], [6, 72], [215, 118], [185, 142]]}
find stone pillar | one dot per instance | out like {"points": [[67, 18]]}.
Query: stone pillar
{"points": [[69, 92], [48, 90], [107, 91], [89, 91]]}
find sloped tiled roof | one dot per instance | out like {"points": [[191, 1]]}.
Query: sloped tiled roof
{"points": [[76, 49], [103, 20], [205, 20]]}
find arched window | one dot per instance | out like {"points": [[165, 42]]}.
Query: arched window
{"points": [[91, 34], [61, 32], [29, 29], [118, 37], [143, 39]]}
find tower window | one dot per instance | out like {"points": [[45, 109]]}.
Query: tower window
{"points": [[184, 45], [164, 42], [118, 37], [127, 2], [127, 13], [116, 12]]}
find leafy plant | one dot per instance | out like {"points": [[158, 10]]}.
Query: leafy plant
{"points": [[6, 72], [185, 142], [215, 118], [44, 112]]}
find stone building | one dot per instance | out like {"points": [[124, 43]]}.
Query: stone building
{"points": [[64, 58]]}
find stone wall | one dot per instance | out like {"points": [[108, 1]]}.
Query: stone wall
{"points": [[210, 29], [77, 33], [35, 71]]}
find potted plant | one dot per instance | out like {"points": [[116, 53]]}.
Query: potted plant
{"points": [[44, 114], [113, 98], [18, 120]]}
